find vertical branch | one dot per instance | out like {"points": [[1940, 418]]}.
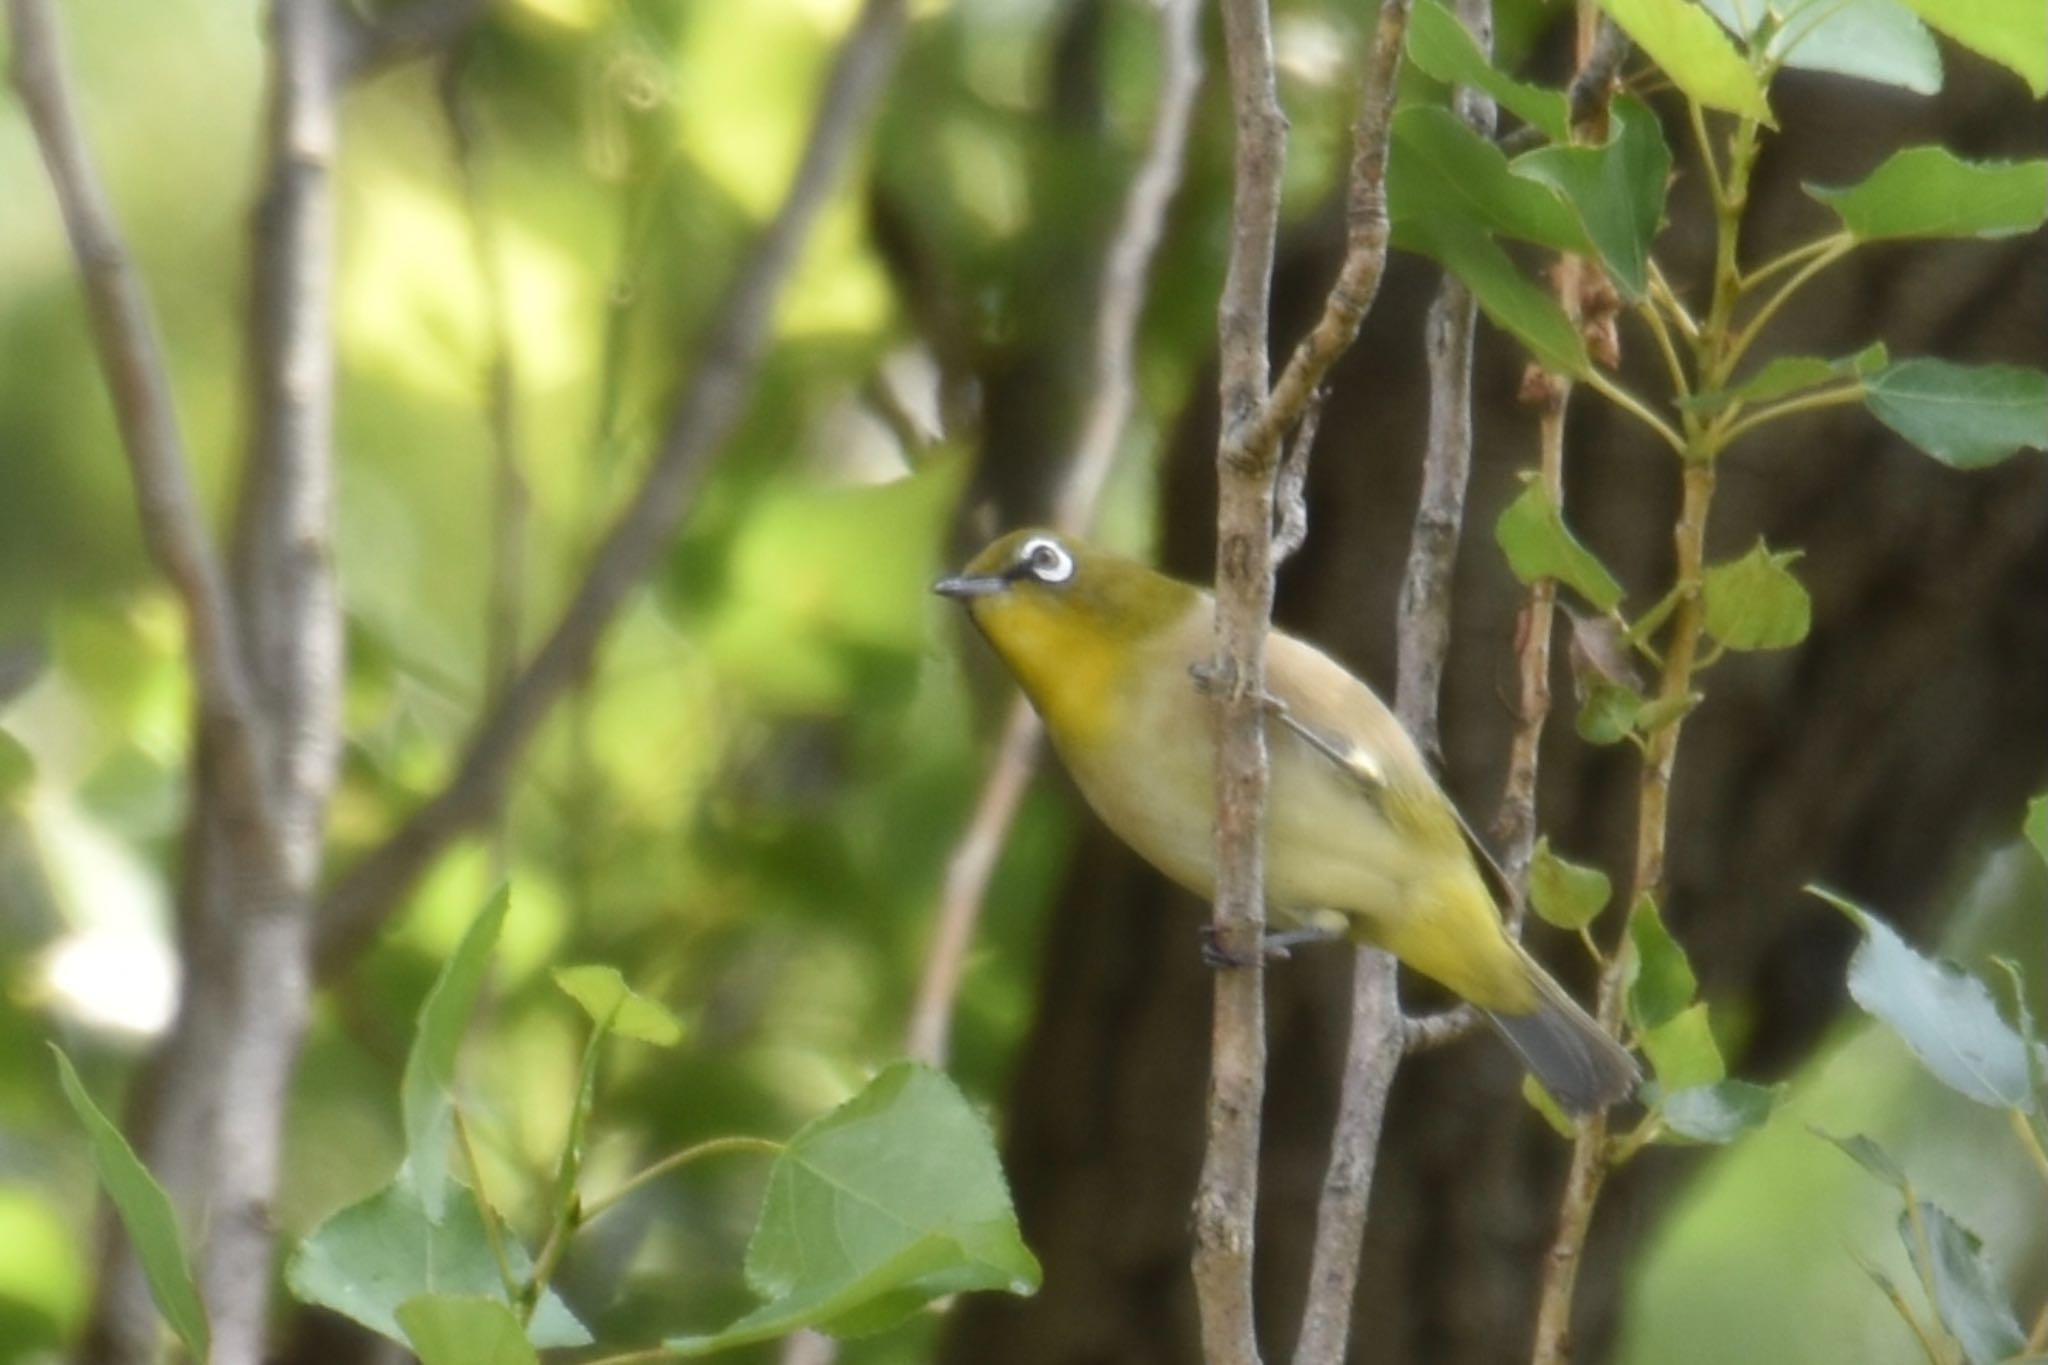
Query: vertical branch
{"points": [[1378, 1034], [1120, 302]]}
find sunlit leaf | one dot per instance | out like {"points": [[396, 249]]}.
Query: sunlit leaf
{"points": [[1661, 982], [1720, 1112], [1616, 189], [1873, 40], [1691, 48], [1439, 168], [1755, 602], [2035, 826], [1966, 416], [1931, 192], [17, 769], [425, 1090], [1865, 1152], [2013, 33], [1510, 300], [444, 1329], [374, 1256], [145, 1212], [891, 1200], [1441, 46], [1682, 1051], [1532, 533], [617, 1007], [1966, 1291], [1941, 1012], [1566, 894]]}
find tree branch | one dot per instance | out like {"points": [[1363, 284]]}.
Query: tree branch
{"points": [[417, 29], [709, 407], [132, 360], [1378, 1034], [1125, 271]]}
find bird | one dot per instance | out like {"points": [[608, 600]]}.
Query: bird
{"points": [[1361, 842]]}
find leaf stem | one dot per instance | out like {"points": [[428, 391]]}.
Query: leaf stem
{"points": [[1653, 319], [1634, 407], [1838, 246], [493, 1233], [1851, 392], [2029, 1139], [675, 1161], [1787, 260]]}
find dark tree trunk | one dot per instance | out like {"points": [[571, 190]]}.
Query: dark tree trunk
{"points": [[1878, 756]]}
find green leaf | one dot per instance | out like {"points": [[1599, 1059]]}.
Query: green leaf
{"points": [[1443, 49], [1683, 40], [145, 1211], [2035, 826], [1660, 979], [374, 1256], [1655, 715], [1930, 192], [1617, 189], [1966, 416], [1873, 40], [443, 1329], [616, 1007], [1545, 1104], [1608, 713], [1720, 1112], [1865, 1152], [1755, 602], [1966, 1292], [1563, 893], [2013, 33], [1440, 169], [888, 1202], [1787, 374], [1509, 299], [1538, 545], [1682, 1051], [425, 1089], [1941, 1012]]}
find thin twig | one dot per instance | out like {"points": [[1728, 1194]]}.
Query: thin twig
{"points": [[132, 360], [1120, 302], [709, 407], [1378, 1035], [675, 1161]]}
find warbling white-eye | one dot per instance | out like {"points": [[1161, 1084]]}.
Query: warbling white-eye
{"points": [[1360, 840]]}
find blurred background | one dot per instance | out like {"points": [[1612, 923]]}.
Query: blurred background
{"points": [[749, 804]]}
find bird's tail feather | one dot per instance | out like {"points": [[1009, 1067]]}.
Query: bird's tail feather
{"points": [[1577, 1061]]}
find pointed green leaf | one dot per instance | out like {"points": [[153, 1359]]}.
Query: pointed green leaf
{"points": [[444, 1329], [1873, 40], [1442, 48], [1608, 713], [425, 1090], [1691, 49], [1930, 192], [1788, 374], [1563, 893], [2035, 827], [1755, 602], [374, 1256], [1538, 545], [1682, 1051], [1717, 1113], [1966, 1291], [1865, 1152], [1655, 715], [1439, 169], [616, 1007], [1617, 189], [145, 1212], [1966, 416], [891, 1200], [1660, 979], [2013, 33], [1941, 1012], [1511, 302]]}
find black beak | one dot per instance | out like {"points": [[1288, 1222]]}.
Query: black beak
{"points": [[965, 586]]}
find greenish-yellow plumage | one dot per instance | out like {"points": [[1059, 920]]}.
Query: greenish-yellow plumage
{"points": [[1355, 828]]}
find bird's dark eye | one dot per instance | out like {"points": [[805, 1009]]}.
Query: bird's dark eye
{"points": [[1046, 560]]}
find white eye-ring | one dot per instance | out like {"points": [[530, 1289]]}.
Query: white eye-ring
{"points": [[1046, 560]]}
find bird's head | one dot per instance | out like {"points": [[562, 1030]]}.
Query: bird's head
{"points": [[1061, 612]]}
